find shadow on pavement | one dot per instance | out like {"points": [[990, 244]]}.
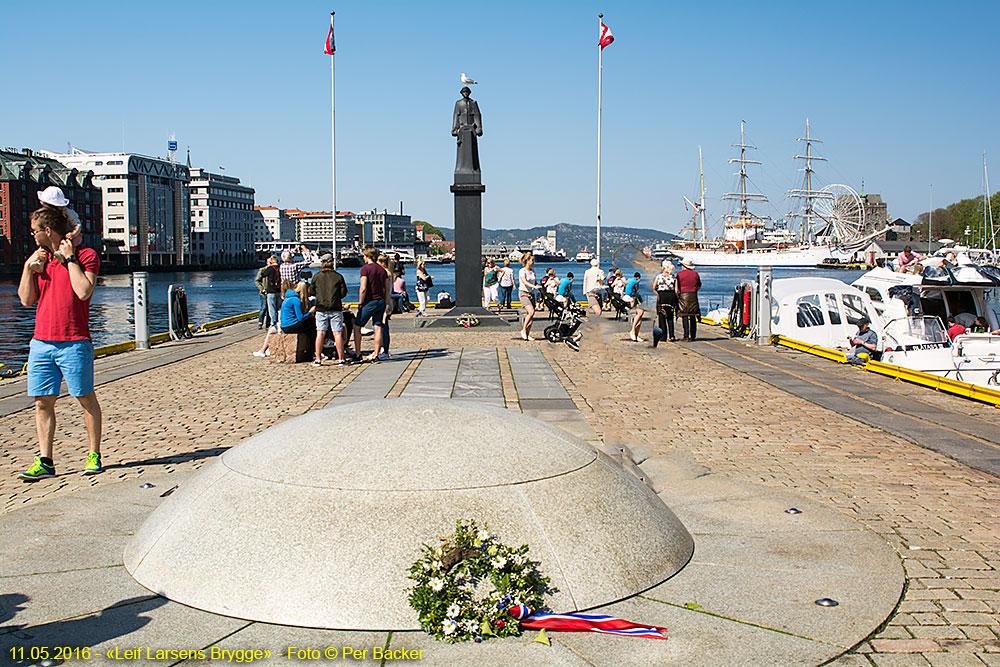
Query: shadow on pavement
{"points": [[118, 620], [173, 458]]}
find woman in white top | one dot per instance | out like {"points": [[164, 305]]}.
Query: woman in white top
{"points": [[526, 287], [506, 284]]}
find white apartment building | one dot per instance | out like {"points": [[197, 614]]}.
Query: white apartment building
{"points": [[222, 225], [145, 205], [316, 227], [272, 224]]}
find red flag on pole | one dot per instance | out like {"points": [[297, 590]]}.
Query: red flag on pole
{"points": [[329, 48], [606, 36]]}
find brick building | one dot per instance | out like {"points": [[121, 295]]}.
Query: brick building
{"points": [[22, 176]]}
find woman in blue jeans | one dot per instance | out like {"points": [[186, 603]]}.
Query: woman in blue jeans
{"points": [[506, 284]]}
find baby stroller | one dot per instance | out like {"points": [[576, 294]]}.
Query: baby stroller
{"points": [[569, 317], [617, 302]]}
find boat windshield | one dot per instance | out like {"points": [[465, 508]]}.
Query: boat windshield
{"points": [[917, 330]]}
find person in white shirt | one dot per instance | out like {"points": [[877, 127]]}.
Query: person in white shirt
{"points": [[593, 284]]}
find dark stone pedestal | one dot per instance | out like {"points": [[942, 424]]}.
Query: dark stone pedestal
{"points": [[446, 318], [468, 241]]}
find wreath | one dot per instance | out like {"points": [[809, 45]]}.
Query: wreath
{"points": [[466, 585], [467, 320]]}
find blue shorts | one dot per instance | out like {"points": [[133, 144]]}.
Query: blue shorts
{"points": [[51, 361], [373, 310]]}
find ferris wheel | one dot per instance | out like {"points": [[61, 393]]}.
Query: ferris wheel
{"points": [[841, 212]]}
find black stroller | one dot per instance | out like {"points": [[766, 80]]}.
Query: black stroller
{"points": [[569, 317], [617, 302]]}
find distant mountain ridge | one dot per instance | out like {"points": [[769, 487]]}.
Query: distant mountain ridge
{"points": [[571, 238]]}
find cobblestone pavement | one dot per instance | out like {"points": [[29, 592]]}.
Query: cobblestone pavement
{"points": [[941, 516]]}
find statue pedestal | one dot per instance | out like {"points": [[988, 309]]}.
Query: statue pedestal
{"points": [[446, 318], [468, 193]]}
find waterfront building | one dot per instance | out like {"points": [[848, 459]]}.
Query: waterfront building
{"points": [[145, 206], [316, 228], [386, 230], [222, 226], [899, 230], [272, 224], [876, 215], [23, 174]]}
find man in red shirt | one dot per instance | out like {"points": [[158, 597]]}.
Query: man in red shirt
{"points": [[371, 301], [61, 280], [688, 284]]}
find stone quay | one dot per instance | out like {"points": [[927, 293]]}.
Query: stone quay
{"points": [[893, 489]]}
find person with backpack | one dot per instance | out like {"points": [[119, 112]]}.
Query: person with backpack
{"points": [[329, 288], [424, 283], [263, 317]]}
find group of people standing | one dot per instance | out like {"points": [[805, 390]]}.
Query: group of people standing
{"points": [[317, 307], [676, 295], [498, 284]]}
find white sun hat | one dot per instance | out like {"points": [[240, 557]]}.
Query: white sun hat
{"points": [[53, 196]]}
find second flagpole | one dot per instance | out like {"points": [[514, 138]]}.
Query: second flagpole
{"points": [[600, 51]]}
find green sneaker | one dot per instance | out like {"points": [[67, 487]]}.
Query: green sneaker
{"points": [[93, 464], [38, 471]]}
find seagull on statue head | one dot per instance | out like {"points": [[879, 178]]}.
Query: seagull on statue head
{"points": [[466, 80]]}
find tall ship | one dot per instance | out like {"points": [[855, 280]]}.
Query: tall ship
{"points": [[831, 221]]}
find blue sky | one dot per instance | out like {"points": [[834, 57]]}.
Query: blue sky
{"points": [[901, 93]]}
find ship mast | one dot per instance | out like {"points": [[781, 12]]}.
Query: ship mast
{"points": [[744, 218], [701, 170], [808, 212], [990, 244]]}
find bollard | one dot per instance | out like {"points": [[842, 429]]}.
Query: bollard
{"points": [[140, 309], [763, 305]]}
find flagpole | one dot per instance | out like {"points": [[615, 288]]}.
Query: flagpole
{"points": [[600, 68], [333, 148]]}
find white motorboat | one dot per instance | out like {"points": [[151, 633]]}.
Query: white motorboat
{"points": [[906, 311], [584, 256]]}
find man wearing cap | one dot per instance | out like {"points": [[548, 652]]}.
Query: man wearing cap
{"points": [[329, 288], [688, 284], [864, 342], [61, 286]]}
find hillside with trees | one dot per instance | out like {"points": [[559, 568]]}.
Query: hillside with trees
{"points": [[951, 222], [572, 238]]}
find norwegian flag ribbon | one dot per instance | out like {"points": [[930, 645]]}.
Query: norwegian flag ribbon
{"points": [[584, 623], [606, 36], [329, 48]]}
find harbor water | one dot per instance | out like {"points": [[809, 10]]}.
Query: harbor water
{"points": [[213, 295]]}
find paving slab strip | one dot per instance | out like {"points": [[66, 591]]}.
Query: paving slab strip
{"points": [[961, 437]]}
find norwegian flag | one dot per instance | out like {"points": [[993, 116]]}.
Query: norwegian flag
{"points": [[329, 48], [608, 625], [606, 36]]}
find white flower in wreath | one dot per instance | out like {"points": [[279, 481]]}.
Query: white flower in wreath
{"points": [[470, 626], [436, 584], [483, 535], [449, 626], [519, 559], [498, 563], [453, 611], [436, 565]]}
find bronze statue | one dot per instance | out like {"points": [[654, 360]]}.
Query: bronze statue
{"points": [[467, 124]]}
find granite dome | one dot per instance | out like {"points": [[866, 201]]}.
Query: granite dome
{"points": [[315, 521]]}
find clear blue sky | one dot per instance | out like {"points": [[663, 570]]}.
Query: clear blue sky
{"points": [[902, 93]]}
